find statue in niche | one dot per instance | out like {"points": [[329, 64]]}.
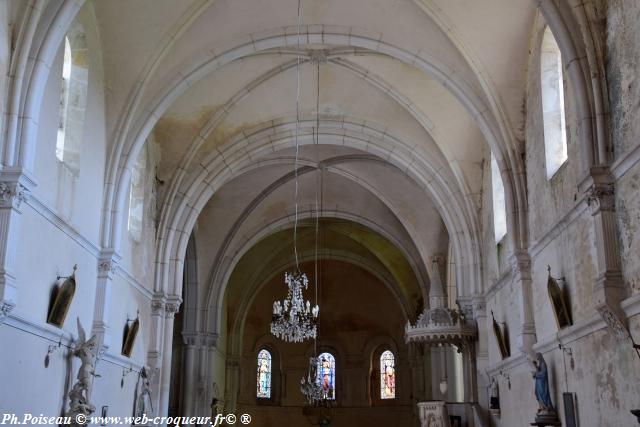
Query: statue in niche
{"points": [[143, 405], [79, 396], [546, 412]]}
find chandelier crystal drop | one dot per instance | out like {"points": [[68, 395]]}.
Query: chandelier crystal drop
{"points": [[310, 386], [294, 320]]}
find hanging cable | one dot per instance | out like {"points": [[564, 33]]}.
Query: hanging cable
{"points": [[317, 142], [295, 224]]}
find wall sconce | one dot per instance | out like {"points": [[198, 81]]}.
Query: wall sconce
{"points": [[52, 348], [125, 372]]}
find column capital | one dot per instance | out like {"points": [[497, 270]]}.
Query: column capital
{"points": [[5, 309], [107, 268], [15, 188], [170, 310], [157, 305], [210, 340], [190, 339], [107, 263], [600, 197], [479, 306], [12, 194], [520, 265]]}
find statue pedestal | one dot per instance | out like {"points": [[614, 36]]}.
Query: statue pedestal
{"points": [[547, 418]]}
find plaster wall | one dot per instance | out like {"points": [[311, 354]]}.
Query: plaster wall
{"points": [[59, 228]]}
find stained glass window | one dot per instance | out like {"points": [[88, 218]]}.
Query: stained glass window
{"points": [[327, 375], [263, 389], [387, 376]]}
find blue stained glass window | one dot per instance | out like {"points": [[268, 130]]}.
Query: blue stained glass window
{"points": [[327, 375], [263, 389]]}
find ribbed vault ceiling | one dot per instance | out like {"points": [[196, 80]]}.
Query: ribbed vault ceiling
{"points": [[407, 94]]}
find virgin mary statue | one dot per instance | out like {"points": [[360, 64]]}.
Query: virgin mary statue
{"points": [[542, 384]]}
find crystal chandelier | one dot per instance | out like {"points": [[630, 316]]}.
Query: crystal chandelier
{"points": [[310, 386], [294, 320]]}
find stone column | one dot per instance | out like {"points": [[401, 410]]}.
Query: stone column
{"points": [[14, 189], [205, 380], [107, 265], [609, 289], [188, 378], [232, 384], [154, 356], [521, 276], [170, 309]]}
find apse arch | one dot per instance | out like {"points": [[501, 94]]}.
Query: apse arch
{"points": [[189, 211], [203, 198], [308, 167], [216, 291], [237, 333]]}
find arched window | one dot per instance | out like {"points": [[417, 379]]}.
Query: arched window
{"points": [[387, 376], [136, 196], [327, 375], [73, 98], [64, 100], [499, 204], [551, 81], [263, 387]]}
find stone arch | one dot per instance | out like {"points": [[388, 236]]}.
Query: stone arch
{"points": [[184, 218], [314, 34], [307, 168], [236, 335], [216, 293]]}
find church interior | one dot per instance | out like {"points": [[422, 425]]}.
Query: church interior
{"points": [[320, 212]]}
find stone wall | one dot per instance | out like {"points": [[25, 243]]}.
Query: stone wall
{"points": [[561, 237]]}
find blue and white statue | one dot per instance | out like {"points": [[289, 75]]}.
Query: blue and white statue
{"points": [[542, 385]]}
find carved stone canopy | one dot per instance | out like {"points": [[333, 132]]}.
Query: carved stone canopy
{"points": [[441, 326]]}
